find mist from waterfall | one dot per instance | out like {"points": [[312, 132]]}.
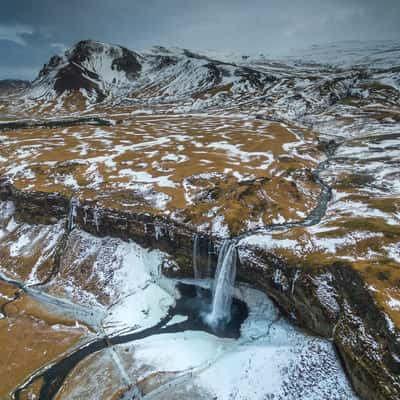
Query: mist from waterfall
{"points": [[224, 283]]}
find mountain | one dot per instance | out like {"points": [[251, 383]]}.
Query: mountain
{"points": [[179, 80], [100, 70], [10, 86], [377, 54]]}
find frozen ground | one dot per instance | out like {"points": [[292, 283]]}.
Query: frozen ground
{"points": [[271, 358]]}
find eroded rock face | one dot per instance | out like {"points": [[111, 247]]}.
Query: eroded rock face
{"points": [[333, 301]]}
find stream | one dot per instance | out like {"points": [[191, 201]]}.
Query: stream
{"points": [[188, 305]]}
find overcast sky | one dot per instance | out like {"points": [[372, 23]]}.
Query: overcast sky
{"points": [[32, 30]]}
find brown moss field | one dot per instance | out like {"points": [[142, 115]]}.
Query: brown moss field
{"points": [[248, 173], [31, 337]]}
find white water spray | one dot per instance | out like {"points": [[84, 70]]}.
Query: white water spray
{"points": [[224, 284]]}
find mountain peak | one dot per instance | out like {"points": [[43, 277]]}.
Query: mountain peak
{"points": [[91, 66]]}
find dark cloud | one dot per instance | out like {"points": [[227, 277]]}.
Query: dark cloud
{"points": [[30, 31]]}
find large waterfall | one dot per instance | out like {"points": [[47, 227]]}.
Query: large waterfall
{"points": [[224, 283]]}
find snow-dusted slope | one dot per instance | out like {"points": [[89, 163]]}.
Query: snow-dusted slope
{"points": [[180, 80], [100, 69], [93, 68], [368, 54]]}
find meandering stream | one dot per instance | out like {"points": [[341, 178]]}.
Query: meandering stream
{"points": [[188, 305]]}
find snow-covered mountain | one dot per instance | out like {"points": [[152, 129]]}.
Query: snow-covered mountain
{"points": [[377, 54], [8, 86], [100, 70], [179, 80], [92, 72]]}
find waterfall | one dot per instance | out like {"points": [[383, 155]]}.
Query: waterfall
{"points": [[201, 267], [72, 213], [96, 218], [196, 256], [209, 258], [223, 285]]}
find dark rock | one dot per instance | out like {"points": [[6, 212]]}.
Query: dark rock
{"points": [[74, 77], [128, 63], [345, 311]]}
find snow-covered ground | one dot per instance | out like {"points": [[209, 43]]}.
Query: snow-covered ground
{"points": [[271, 360]]}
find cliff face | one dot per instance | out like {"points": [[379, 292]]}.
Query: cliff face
{"points": [[331, 301]]}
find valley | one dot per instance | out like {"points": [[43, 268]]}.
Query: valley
{"points": [[123, 176]]}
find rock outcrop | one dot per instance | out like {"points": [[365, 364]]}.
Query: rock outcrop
{"points": [[333, 301]]}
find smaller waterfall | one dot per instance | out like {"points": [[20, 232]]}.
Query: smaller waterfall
{"points": [[209, 258], [224, 283], [196, 256], [96, 218], [72, 213], [201, 268]]}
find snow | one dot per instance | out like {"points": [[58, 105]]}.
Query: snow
{"points": [[326, 293], [145, 177], [371, 54], [140, 296], [270, 360], [308, 243], [393, 251], [394, 303], [180, 351]]}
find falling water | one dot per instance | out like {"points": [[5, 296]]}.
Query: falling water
{"points": [[195, 257], [72, 213], [96, 218], [223, 285], [209, 258], [201, 269]]}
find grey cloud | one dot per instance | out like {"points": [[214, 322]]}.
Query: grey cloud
{"points": [[268, 26]]}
